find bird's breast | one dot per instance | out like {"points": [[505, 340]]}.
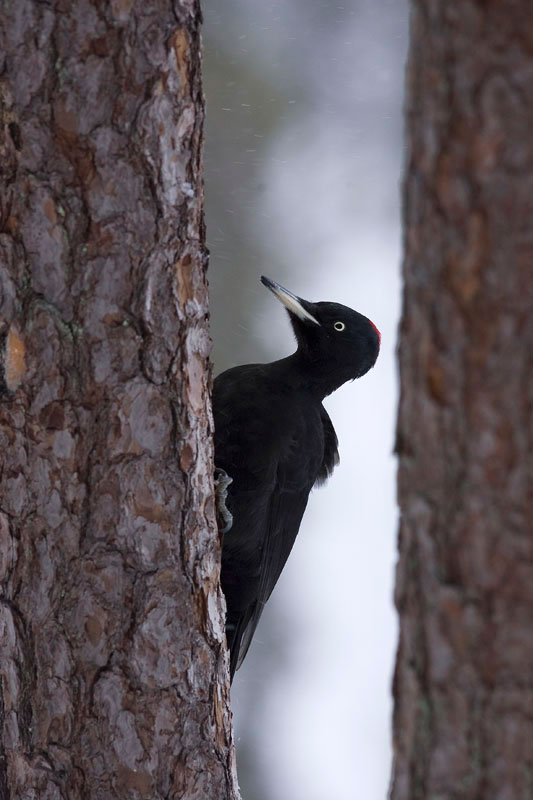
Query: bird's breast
{"points": [[262, 426]]}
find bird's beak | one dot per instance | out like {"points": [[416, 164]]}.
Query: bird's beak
{"points": [[291, 302]]}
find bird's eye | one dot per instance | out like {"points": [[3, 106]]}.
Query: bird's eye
{"points": [[339, 326]]}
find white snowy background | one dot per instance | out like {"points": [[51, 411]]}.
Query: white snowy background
{"points": [[303, 163]]}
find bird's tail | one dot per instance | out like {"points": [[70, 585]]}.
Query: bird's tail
{"points": [[233, 638]]}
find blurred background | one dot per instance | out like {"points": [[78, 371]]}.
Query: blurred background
{"points": [[303, 159]]}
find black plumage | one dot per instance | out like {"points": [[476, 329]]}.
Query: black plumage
{"points": [[274, 438]]}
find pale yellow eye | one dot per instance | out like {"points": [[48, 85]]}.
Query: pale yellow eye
{"points": [[339, 326]]}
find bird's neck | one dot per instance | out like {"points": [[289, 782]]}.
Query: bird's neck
{"points": [[317, 377]]}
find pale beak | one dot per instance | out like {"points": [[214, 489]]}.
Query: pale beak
{"points": [[291, 302]]}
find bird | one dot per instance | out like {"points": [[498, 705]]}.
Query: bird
{"points": [[274, 441]]}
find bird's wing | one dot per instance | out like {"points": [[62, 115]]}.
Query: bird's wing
{"points": [[286, 508], [274, 466]]}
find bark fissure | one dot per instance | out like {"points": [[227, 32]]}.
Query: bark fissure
{"points": [[464, 431], [112, 665]]}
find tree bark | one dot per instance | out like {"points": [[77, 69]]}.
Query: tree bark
{"points": [[112, 660], [463, 723]]}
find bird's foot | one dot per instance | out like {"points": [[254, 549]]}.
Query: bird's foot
{"points": [[224, 515]]}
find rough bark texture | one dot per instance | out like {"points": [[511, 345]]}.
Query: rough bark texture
{"points": [[463, 725], [112, 665]]}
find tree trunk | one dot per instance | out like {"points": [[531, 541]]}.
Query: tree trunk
{"points": [[463, 725], [112, 663]]}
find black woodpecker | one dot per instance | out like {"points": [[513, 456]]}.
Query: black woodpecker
{"points": [[274, 441]]}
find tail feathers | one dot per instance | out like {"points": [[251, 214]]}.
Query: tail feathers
{"points": [[238, 636], [233, 637]]}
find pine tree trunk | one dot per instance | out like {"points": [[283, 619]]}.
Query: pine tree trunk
{"points": [[112, 665], [463, 725]]}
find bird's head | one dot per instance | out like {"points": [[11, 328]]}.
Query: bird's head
{"points": [[342, 343]]}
